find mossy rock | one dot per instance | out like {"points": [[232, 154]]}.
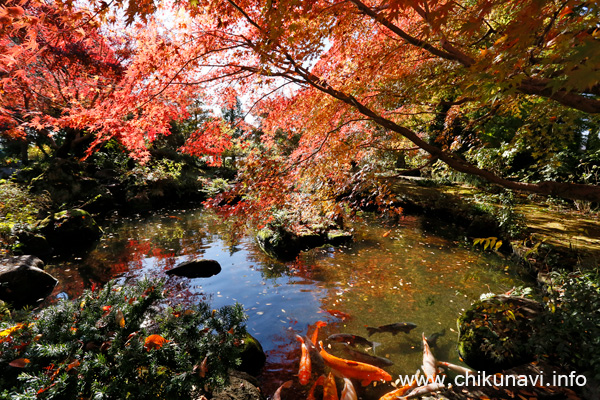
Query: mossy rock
{"points": [[338, 237], [32, 243], [70, 230], [282, 244], [253, 356], [495, 332]]}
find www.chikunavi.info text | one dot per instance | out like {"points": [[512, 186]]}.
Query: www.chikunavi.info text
{"points": [[499, 380]]}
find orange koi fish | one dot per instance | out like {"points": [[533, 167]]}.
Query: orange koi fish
{"points": [[154, 342], [339, 314], [315, 336], [311, 393], [401, 391], [277, 395], [305, 369], [429, 363], [366, 373], [348, 392], [329, 388]]}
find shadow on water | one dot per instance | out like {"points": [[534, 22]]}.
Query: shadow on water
{"points": [[388, 274]]}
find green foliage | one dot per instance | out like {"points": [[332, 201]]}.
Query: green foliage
{"points": [[18, 208], [569, 332], [98, 347], [18, 205], [501, 207], [213, 187]]}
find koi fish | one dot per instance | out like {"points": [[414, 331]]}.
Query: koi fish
{"points": [[456, 368], [366, 373], [398, 393], [154, 342], [315, 336], [429, 363], [421, 390], [348, 392], [432, 339], [286, 385], [311, 392], [316, 361], [329, 388], [352, 340], [339, 314], [305, 371], [405, 327], [367, 358]]}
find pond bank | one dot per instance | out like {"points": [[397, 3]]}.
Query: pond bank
{"points": [[551, 236]]}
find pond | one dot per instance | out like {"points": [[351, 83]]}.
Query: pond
{"points": [[406, 272]]}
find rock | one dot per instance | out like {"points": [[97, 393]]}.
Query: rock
{"points": [[338, 237], [70, 231], [196, 269], [32, 243], [241, 387], [494, 333], [282, 244], [253, 356], [23, 282]]}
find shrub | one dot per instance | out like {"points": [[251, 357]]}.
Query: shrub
{"points": [[569, 332], [121, 342]]}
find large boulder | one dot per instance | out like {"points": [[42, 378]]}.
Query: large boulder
{"points": [[23, 282], [494, 334], [196, 269], [70, 231]]}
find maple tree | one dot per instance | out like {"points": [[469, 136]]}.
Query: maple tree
{"points": [[355, 79], [72, 77]]}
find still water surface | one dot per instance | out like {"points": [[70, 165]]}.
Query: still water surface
{"points": [[388, 274]]}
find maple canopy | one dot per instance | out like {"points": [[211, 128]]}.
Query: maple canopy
{"points": [[435, 80]]}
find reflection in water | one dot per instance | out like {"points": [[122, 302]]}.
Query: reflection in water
{"points": [[405, 274]]}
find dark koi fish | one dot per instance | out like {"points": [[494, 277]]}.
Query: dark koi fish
{"points": [[432, 339], [367, 358], [317, 363], [405, 327], [350, 339]]}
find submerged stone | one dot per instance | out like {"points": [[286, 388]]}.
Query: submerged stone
{"points": [[196, 269]]}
